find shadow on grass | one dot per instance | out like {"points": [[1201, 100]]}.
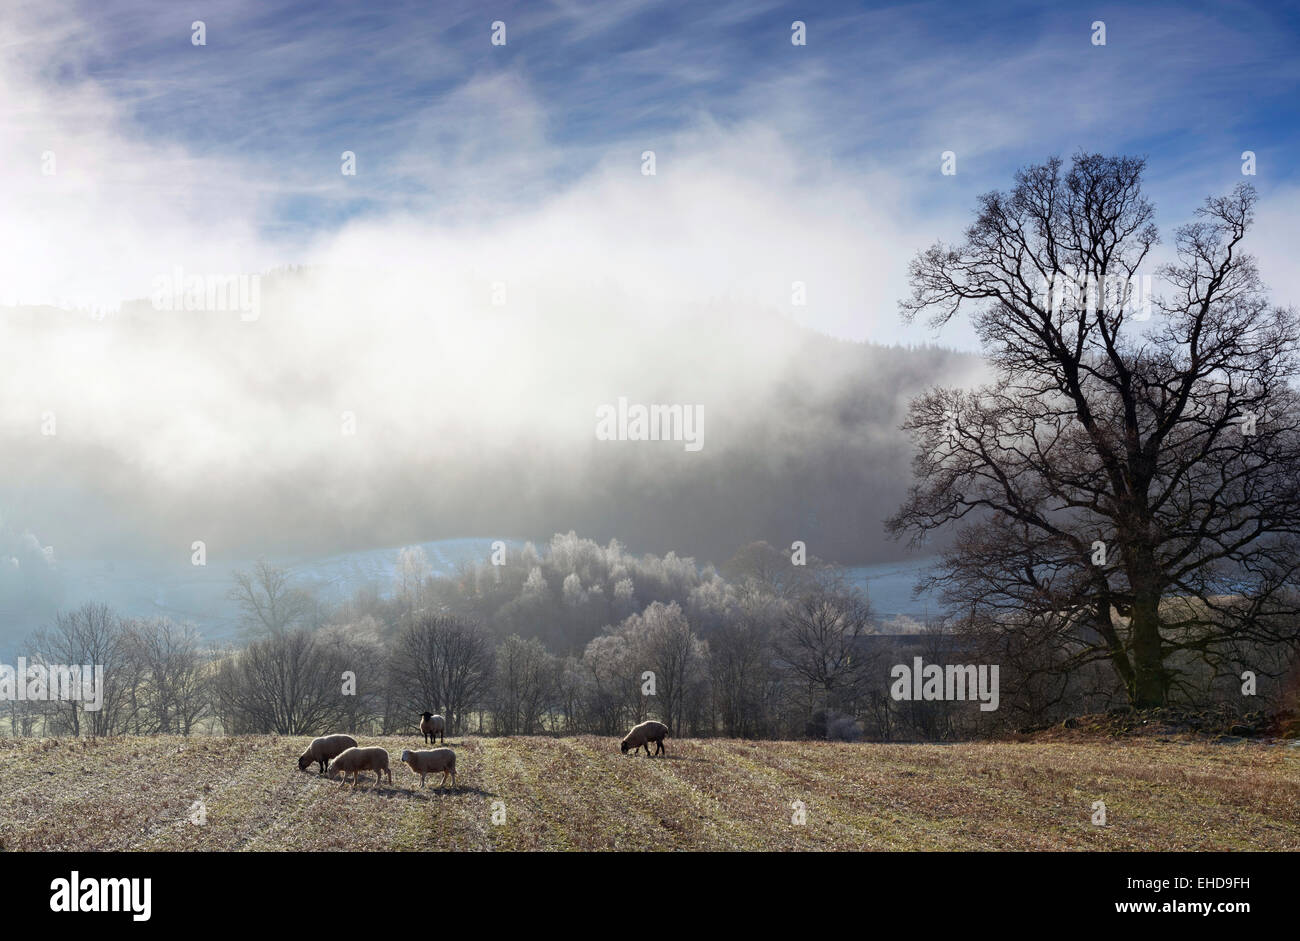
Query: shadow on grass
{"points": [[415, 792]]}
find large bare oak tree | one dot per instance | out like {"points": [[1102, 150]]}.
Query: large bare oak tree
{"points": [[1126, 487]]}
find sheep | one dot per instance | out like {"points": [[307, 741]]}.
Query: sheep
{"points": [[432, 726], [643, 735], [431, 762], [322, 749], [356, 760]]}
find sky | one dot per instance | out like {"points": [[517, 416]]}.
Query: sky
{"points": [[128, 153], [823, 159]]}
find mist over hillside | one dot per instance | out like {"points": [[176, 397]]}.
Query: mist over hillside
{"points": [[132, 434]]}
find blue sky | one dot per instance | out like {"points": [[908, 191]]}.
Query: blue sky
{"points": [[448, 128], [1189, 84]]}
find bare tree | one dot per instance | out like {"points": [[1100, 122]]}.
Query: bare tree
{"points": [[444, 664], [1123, 494], [569, 691], [611, 690], [527, 677], [22, 718], [288, 683], [741, 668], [772, 569], [91, 636], [679, 660], [820, 642], [411, 580], [172, 692], [270, 604]]}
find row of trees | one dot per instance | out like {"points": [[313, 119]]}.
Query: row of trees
{"points": [[157, 675], [756, 653], [767, 649]]}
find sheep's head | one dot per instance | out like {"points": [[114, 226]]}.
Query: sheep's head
{"points": [[426, 715], [304, 761], [406, 755], [623, 746]]}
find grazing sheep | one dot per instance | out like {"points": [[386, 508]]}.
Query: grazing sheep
{"points": [[322, 749], [356, 760], [432, 727], [643, 735], [431, 762]]}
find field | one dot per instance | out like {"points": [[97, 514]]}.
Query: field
{"points": [[582, 794]]}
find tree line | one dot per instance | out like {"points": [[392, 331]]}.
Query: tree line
{"points": [[763, 648]]}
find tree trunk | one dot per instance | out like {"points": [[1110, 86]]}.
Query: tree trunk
{"points": [[1149, 684]]}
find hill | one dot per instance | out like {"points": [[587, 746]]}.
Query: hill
{"points": [[242, 447]]}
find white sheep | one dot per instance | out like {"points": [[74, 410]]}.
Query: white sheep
{"points": [[431, 762], [322, 749], [643, 734], [356, 760], [432, 726]]}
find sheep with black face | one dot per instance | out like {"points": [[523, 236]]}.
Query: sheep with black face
{"points": [[642, 735], [322, 749], [432, 727]]}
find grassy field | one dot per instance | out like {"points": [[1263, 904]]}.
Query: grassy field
{"points": [[582, 794]]}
